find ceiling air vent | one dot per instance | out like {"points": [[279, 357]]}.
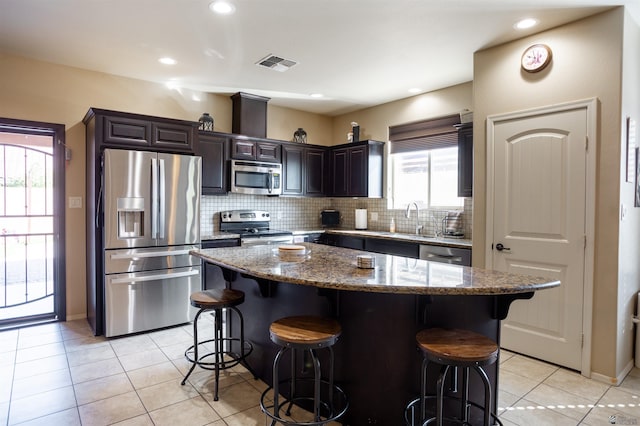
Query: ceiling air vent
{"points": [[276, 63]]}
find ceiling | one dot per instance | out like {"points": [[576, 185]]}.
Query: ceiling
{"points": [[357, 53]]}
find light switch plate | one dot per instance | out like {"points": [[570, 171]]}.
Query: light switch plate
{"points": [[75, 202]]}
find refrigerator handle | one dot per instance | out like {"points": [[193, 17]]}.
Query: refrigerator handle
{"points": [[99, 200], [144, 255], [155, 277], [154, 198], [162, 197]]}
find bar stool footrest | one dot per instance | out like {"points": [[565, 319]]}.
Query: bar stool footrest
{"points": [[331, 411], [414, 408], [210, 365]]}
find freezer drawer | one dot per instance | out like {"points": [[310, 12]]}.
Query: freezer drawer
{"points": [[143, 301]]}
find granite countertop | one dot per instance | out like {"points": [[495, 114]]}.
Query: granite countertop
{"points": [[336, 268]]}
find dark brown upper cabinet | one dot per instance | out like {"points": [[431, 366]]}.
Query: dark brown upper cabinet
{"points": [[213, 148], [304, 170], [465, 159], [255, 150], [135, 131], [357, 169]]}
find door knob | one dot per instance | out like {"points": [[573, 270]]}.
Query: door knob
{"points": [[501, 247]]}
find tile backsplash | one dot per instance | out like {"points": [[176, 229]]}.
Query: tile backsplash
{"points": [[293, 213]]}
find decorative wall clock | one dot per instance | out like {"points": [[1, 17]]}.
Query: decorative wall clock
{"points": [[536, 57]]}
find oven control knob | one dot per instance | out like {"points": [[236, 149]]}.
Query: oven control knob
{"points": [[265, 214]]}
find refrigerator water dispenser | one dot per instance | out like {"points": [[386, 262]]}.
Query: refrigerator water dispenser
{"points": [[130, 217]]}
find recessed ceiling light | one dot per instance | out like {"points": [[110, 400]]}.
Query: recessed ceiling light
{"points": [[526, 23], [167, 61], [415, 90], [222, 7], [316, 95]]}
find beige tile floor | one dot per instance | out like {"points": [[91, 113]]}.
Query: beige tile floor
{"points": [[60, 374]]}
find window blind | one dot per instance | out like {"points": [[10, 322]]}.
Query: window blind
{"points": [[423, 135]]}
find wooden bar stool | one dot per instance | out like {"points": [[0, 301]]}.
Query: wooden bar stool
{"points": [[309, 334], [217, 300], [458, 349]]}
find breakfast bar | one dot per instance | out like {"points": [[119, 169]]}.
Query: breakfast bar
{"points": [[380, 309]]}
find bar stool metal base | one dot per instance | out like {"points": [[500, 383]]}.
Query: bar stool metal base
{"points": [[223, 359], [327, 403]]}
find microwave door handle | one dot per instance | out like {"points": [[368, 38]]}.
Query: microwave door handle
{"points": [[270, 181], [154, 198], [162, 199]]}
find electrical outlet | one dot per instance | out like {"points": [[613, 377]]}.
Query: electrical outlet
{"points": [[374, 216]]}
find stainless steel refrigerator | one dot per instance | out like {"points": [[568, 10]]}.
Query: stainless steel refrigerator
{"points": [[151, 221]]}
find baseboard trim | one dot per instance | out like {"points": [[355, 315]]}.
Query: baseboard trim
{"points": [[614, 381], [75, 317]]}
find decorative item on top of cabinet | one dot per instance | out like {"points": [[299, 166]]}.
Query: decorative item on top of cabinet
{"points": [[355, 132], [465, 159], [300, 136], [213, 148], [206, 122], [357, 169]]}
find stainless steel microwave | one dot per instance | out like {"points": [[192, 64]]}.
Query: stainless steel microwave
{"points": [[252, 177]]}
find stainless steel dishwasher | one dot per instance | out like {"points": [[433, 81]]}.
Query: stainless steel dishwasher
{"points": [[443, 254]]}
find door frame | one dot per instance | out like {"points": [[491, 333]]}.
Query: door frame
{"points": [[57, 133], [591, 109]]}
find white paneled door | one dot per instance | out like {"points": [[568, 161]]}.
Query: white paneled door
{"points": [[539, 227]]}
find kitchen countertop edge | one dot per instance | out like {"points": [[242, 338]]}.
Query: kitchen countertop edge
{"points": [[479, 281], [219, 235]]}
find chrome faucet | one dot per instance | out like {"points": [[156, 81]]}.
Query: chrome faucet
{"points": [[408, 215]]}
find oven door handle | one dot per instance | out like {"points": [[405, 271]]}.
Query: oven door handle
{"points": [[155, 277]]}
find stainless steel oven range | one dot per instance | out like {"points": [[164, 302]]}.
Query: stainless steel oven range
{"points": [[253, 227]]}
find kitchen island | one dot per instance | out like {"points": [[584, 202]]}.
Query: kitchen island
{"points": [[380, 310]]}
